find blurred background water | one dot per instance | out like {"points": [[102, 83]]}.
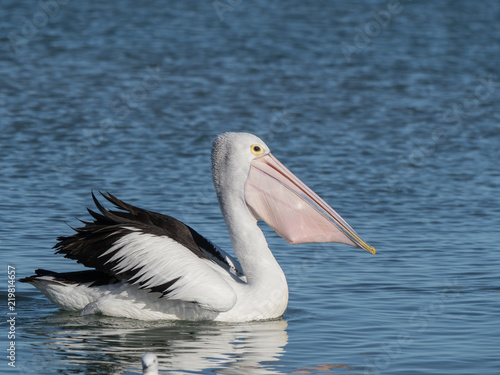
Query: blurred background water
{"points": [[388, 110]]}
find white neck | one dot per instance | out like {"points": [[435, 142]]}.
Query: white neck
{"points": [[249, 244], [266, 290]]}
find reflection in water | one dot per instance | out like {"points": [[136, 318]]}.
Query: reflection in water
{"points": [[104, 345]]}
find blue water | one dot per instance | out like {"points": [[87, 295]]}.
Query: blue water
{"points": [[392, 117]]}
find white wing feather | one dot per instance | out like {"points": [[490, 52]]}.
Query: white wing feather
{"points": [[158, 260]]}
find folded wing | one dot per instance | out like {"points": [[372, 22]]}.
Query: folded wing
{"points": [[155, 252]]}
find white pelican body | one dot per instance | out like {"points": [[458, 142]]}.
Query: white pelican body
{"points": [[150, 266]]}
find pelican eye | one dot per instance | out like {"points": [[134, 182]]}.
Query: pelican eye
{"points": [[256, 150]]}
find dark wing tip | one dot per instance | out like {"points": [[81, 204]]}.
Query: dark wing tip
{"points": [[38, 272], [94, 277], [98, 204]]}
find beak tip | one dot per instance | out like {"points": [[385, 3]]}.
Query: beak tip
{"points": [[369, 248]]}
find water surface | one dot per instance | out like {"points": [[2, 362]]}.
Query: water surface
{"points": [[395, 125]]}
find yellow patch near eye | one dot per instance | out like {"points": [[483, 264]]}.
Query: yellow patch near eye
{"points": [[256, 149]]}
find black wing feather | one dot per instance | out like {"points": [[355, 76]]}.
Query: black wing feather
{"points": [[96, 278], [90, 242]]}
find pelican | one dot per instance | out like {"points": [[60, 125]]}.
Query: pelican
{"points": [[149, 266]]}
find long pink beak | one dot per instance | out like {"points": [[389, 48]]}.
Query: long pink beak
{"points": [[293, 210]]}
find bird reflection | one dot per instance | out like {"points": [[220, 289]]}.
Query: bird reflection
{"points": [[99, 344]]}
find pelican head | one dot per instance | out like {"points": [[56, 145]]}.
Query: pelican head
{"points": [[246, 173]]}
